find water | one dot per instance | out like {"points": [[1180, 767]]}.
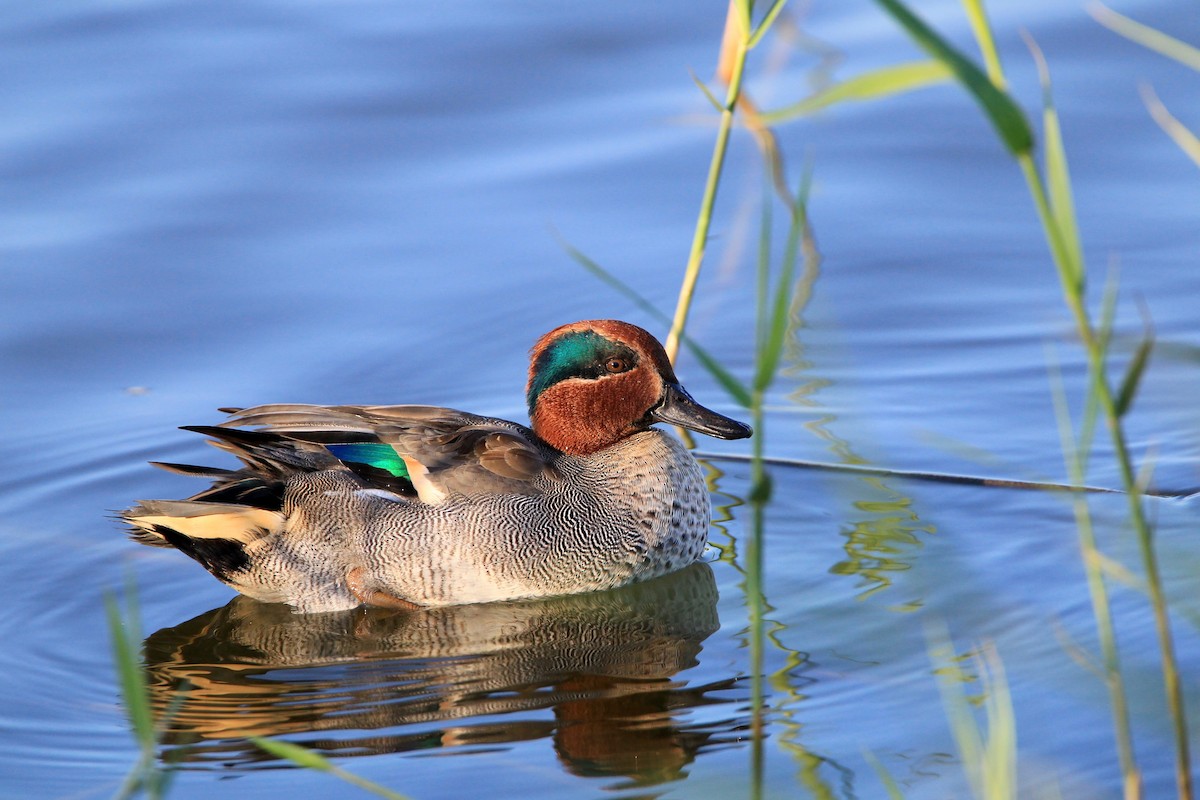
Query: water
{"points": [[210, 206]]}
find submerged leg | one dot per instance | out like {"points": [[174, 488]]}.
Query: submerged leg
{"points": [[374, 597]]}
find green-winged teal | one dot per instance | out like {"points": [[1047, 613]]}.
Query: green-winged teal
{"points": [[336, 506]]}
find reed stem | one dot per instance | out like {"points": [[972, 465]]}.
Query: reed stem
{"points": [[738, 35], [1094, 347], [756, 601]]}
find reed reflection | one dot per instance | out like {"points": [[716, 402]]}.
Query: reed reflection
{"points": [[595, 673]]}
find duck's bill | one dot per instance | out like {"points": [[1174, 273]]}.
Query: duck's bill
{"points": [[678, 408]]}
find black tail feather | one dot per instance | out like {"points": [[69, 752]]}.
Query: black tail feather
{"points": [[222, 557], [270, 456], [194, 471], [248, 490]]}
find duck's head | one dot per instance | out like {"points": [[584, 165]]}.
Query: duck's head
{"points": [[593, 383]]}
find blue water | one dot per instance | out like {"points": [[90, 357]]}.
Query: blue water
{"points": [[213, 205]]}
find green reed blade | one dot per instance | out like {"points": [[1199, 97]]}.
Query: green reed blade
{"points": [[754, 590], [1102, 339], [300, 756], [125, 630], [1133, 375], [613, 281], [765, 25], [1108, 307], [1058, 177], [885, 777], [1006, 116], [987, 43], [1075, 453], [763, 271], [871, 85], [988, 756], [771, 349], [735, 45], [132, 680], [1179, 133], [309, 759], [739, 36], [1120, 573], [1000, 761], [1058, 225], [712, 98], [744, 9], [736, 389], [1146, 36]]}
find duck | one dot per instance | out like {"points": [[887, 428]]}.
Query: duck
{"points": [[404, 506]]}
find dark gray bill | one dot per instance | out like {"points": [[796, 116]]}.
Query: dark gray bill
{"points": [[678, 408]]}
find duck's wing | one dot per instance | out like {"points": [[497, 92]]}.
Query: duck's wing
{"points": [[437, 451]]}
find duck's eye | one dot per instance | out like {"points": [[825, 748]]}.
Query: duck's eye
{"points": [[615, 365]]}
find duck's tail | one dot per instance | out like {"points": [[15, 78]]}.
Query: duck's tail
{"points": [[214, 534], [241, 506]]}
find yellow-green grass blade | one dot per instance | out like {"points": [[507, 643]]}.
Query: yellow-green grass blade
{"points": [[300, 756], [1076, 455], [1133, 375], [1058, 176], [716, 104], [871, 85], [765, 25], [762, 282], [988, 756], [731, 69], [889, 783], [987, 43], [1146, 36], [723, 376], [303, 757], [145, 777], [776, 329], [744, 9], [736, 389], [124, 634], [1179, 133], [1006, 116]]}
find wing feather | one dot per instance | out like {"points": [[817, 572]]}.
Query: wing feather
{"points": [[458, 453]]}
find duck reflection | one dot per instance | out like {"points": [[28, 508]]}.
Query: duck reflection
{"points": [[604, 664]]}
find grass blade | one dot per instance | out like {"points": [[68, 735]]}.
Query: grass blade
{"points": [[1146, 36], [1058, 177], [742, 9], [711, 97], [889, 783], [1076, 453], [987, 43], [1133, 375], [761, 283], [736, 389], [730, 69], [1006, 116], [774, 334], [988, 756], [765, 25], [1179, 133], [145, 776], [308, 759], [868, 86], [1108, 308], [613, 281], [300, 756], [129, 670]]}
